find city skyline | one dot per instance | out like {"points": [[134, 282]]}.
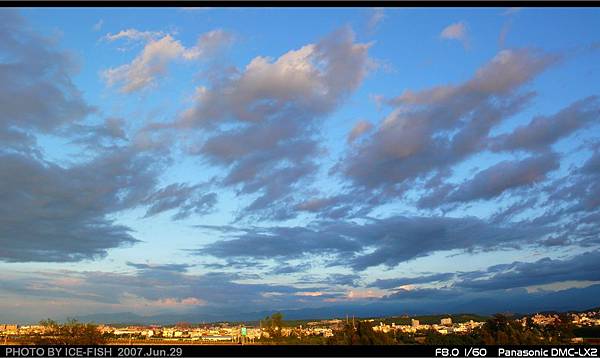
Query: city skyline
{"points": [[225, 161]]}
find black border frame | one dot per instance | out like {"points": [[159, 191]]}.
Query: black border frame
{"points": [[301, 3], [308, 350]]}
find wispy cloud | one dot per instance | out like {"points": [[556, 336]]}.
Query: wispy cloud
{"points": [[376, 17], [511, 10], [456, 31], [98, 25]]}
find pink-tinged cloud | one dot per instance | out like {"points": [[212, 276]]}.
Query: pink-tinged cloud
{"points": [[456, 31], [68, 282], [173, 302], [310, 294], [358, 130], [362, 294]]}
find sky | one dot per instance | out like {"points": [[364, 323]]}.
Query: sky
{"points": [[224, 161]]}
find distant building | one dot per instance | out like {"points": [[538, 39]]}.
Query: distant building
{"points": [[543, 320], [125, 331], [9, 328], [415, 322], [446, 321], [217, 338]]}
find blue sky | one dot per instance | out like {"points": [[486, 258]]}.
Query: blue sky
{"points": [[225, 161]]}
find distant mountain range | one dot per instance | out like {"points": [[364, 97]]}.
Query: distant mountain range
{"points": [[560, 301]]}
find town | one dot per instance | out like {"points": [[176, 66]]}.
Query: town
{"points": [[263, 332]]}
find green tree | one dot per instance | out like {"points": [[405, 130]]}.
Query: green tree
{"points": [[500, 329], [561, 331], [71, 332], [404, 338], [273, 326], [361, 333]]}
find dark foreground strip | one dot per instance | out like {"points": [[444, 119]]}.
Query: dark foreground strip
{"points": [[297, 351]]}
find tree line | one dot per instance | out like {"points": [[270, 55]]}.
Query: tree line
{"points": [[499, 329]]}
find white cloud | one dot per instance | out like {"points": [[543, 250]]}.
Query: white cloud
{"points": [[263, 116], [314, 77], [456, 31], [160, 50], [208, 44], [133, 34], [144, 69]]}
